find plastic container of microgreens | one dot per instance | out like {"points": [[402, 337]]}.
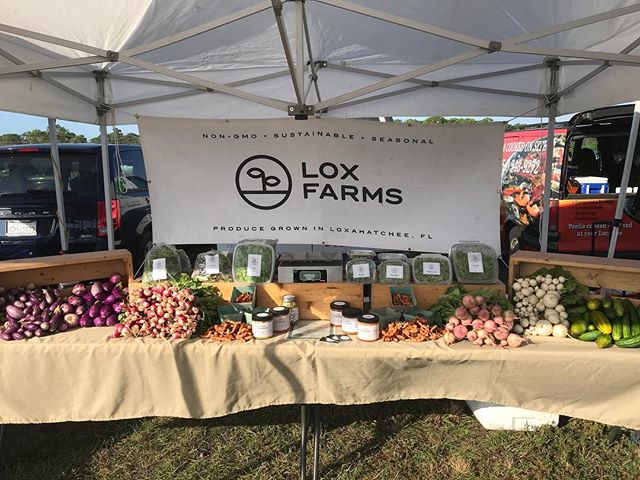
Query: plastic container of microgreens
{"points": [[432, 268], [361, 268], [394, 268], [254, 261], [474, 262]]}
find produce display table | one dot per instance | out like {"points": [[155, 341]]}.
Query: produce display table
{"points": [[83, 375]]}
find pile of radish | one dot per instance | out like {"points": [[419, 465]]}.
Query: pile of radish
{"points": [[538, 306], [483, 324], [36, 312], [159, 311]]}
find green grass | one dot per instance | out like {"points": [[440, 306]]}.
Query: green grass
{"points": [[404, 440]]}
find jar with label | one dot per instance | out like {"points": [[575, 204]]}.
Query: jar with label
{"points": [[281, 320], [262, 325], [335, 313], [289, 301], [350, 320], [368, 327]]}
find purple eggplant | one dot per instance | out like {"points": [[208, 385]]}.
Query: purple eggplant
{"points": [[63, 327], [23, 298], [101, 296], [107, 286], [17, 336], [11, 329], [43, 305], [39, 333], [115, 278], [36, 309], [105, 311], [55, 304], [116, 307], [28, 334], [99, 322], [111, 320], [66, 308], [71, 320], [109, 300], [56, 292], [96, 288], [29, 318], [6, 337], [74, 301], [19, 304], [88, 298], [79, 289], [12, 321], [44, 326], [14, 312], [94, 311], [48, 297], [85, 321], [80, 309], [31, 327], [53, 323]]}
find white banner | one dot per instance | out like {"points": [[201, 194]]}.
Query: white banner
{"points": [[335, 182]]}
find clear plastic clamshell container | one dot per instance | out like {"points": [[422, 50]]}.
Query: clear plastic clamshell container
{"points": [[394, 270], [254, 261], [432, 269], [474, 262], [361, 270], [213, 266], [353, 254]]}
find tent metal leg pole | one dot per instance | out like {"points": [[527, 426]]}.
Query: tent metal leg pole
{"points": [[106, 176], [317, 430], [624, 183], [57, 178], [548, 166], [304, 414]]}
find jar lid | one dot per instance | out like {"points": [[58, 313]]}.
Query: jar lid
{"points": [[369, 318], [351, 312], [280, 311], [339, 305], [262, 316], [288, 298]]}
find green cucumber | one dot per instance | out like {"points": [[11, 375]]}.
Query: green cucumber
{"points": [[631, 342], [604, 341], [618, 307], [616, 326], [590, 336]]}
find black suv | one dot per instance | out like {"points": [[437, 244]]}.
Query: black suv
{"points": [[28, 224]]}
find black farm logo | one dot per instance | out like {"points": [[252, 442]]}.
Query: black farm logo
{"points": [[263, 182]]}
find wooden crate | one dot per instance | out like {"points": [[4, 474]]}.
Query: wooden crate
{"points": [[426, 295], [313, 299], [74, 267], [594, 272]]}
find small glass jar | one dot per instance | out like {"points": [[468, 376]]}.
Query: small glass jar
{"points": [[262, 325], [350, 320], [368, 327], [281, 319], [335, 314], [289, 301]]}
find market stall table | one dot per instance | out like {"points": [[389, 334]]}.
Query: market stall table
{"points": [[83, 375]]}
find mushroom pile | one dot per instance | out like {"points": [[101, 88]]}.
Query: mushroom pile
{"points": [[538, 306]]}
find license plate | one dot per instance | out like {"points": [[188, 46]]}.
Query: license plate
{"points": [[21, 228]]}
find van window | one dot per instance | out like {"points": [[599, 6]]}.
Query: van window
{"points": [[27, 173], [132, 174], [596, 165]]}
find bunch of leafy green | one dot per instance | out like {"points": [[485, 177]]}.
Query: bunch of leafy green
{"points": [[172, 262], [382, 271], [241, 262], [185, 263]]}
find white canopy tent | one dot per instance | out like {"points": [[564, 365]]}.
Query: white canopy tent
{"points": [[84, 61]]}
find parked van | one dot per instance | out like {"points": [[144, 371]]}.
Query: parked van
{"points": [[28, 223], [588, 160]]}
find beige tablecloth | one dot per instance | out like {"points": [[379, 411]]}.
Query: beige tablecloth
{"points": [[84, 375]]}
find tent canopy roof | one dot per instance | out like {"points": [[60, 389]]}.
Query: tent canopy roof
{"points": [[346, 58]]}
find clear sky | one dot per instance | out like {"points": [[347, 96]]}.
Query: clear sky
{"points": [[18, 123]]}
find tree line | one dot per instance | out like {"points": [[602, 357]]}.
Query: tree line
{"points": [[439, 119], [65, 136]]}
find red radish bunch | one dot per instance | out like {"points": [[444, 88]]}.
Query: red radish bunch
{"points": [[161, 310], [482, 324]]}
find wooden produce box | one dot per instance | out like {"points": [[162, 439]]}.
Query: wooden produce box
{"points": [[73, 267], [426, 295], [594, 272], [313, 299]]}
